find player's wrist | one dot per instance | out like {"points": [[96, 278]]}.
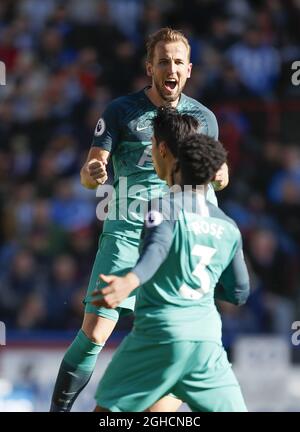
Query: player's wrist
{"points": [[133, 280]]}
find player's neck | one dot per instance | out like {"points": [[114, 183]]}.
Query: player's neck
{"points": [[155, 98]]}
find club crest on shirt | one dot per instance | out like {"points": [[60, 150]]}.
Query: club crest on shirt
{"points": [[100, 127], [153, 218]]}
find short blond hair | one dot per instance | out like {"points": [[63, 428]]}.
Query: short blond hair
{"points": [[165, 34]]}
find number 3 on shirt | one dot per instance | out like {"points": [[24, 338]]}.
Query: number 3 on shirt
{"points": [[205, 254]]}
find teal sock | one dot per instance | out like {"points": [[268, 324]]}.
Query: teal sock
{"points": [[75, 372]]}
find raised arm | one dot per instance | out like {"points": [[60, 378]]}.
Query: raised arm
{"points": [[105, 140]]}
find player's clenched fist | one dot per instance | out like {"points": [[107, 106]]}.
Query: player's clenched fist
{"points": [[97, 170]]}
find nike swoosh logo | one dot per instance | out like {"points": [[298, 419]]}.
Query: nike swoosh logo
{"points": [[141, 128]]}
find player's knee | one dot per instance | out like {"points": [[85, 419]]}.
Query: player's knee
{"points": [[96, 336], [97, 329]]}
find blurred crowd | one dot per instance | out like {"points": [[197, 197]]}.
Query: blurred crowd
{"points": [[65, 60]]}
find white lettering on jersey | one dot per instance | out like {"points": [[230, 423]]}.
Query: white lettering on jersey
{"points": [[205, 227]]}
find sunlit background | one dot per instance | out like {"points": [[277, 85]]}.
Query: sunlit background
{"points": [[65, 60]]}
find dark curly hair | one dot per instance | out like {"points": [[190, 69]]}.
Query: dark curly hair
{"points": [[171, 126], [199, 158]]}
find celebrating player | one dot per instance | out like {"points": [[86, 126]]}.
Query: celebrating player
{"points": [[175, 345], [124, 132]]}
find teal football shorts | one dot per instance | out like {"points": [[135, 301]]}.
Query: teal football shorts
{"points": [[115, 256], [142, 372]]}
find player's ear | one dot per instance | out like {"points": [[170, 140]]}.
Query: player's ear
{"points": [[189, 70], [176, 173], [162, 149], [149, 69]]}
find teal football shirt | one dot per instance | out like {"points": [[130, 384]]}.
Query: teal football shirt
{"points": [[184, 254], [125, 130]]}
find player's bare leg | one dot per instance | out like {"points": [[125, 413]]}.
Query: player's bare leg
{"points": [[97, 329], [166, 404], [100, 409], [79, 361]]}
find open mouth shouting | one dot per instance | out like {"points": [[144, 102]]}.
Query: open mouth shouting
{"points": [[170, 85]]}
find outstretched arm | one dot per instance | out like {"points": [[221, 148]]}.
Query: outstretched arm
{"points": [[156, 245]]}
